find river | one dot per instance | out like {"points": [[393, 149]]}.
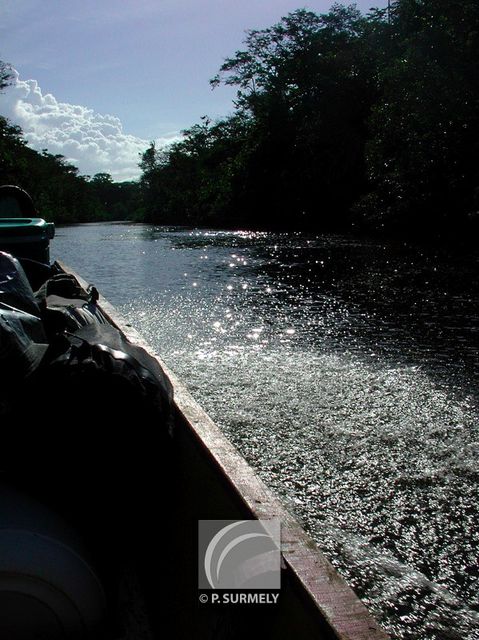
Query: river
{"points": [[345, 371]]}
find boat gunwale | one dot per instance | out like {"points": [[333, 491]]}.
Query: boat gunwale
{"points": [[337, 604]]}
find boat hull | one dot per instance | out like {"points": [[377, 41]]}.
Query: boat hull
{"points": [[207, 479]]}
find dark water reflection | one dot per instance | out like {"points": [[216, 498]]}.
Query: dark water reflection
{"points": [[345, 371], [417, 306]]}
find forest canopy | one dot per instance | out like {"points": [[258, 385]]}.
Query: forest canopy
{"points": [[341, 121], [60, 194]]}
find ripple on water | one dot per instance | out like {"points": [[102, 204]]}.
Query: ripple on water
{"points": [[378, 462]]}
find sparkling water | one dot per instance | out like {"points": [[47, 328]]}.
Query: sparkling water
{"points": [[345, 372]]}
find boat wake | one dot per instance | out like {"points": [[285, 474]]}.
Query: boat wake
{"points": [[378, 462]]}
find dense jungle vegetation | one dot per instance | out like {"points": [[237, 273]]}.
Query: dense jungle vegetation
{"points": [[341, 121]]}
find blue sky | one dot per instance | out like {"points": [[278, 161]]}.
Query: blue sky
{"points": [[108, 76]]}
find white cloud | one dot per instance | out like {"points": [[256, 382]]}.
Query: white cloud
{"points": [[91, 141]]}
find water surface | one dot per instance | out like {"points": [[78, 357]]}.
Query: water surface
{"points": [[345, 371]]}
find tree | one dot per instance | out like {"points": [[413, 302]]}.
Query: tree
{"points": [[308, 84], [422, 156], [59, 193]]}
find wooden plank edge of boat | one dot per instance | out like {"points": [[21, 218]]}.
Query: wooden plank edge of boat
{"points": [[330, 601]]}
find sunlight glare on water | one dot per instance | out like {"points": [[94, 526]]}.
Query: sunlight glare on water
{"points": [[351, 395]]}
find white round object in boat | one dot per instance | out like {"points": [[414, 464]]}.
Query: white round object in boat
{"points": [[48, 589]]}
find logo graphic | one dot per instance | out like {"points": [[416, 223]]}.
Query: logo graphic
{"points": [[239, 554]]}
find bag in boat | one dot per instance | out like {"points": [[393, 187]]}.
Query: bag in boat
{"points": [[66, 305], [91, 374], [107, 405], [23, 341], [99, 362], [91, 359]]}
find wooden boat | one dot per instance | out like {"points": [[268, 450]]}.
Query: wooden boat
{"points": [[213, 481], [99, 515]]}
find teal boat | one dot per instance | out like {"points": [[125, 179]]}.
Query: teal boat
{"points": [[22, 232]]}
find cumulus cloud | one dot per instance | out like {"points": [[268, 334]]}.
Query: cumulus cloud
{"points": [[91, 141]]}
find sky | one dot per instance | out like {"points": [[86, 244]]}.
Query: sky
{"points": [[98, 80]]}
